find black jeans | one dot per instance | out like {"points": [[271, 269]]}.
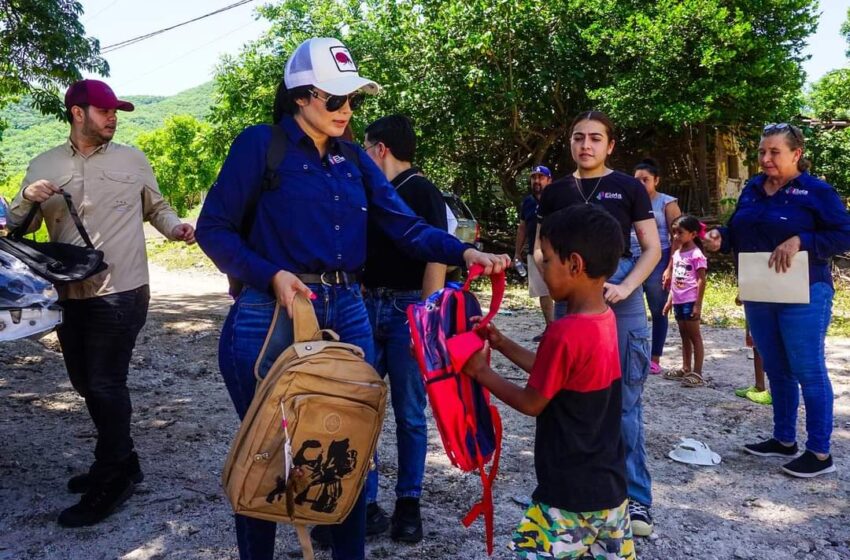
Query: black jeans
{"points": [[97, 337]]}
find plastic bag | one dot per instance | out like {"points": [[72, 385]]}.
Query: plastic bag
{"points": [[21, 288]]}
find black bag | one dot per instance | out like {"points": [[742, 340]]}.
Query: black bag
{"points": [[60, 263]]}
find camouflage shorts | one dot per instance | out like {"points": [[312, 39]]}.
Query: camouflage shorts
{"points": [[548, 532]]}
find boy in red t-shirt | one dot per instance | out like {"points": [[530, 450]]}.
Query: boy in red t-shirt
{"points": [[580, 504]]}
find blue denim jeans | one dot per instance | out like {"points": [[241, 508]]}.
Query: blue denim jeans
{"points": [[339, 308], [656, 297], [790, 339], [388, 316], [633, 343]]}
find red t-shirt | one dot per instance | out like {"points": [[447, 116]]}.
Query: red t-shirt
{"points": [[578, 454]]}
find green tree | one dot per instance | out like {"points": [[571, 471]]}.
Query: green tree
{"points": [[493, 85], [829, 150], [43, 46], [184, 167], [830, 96]]}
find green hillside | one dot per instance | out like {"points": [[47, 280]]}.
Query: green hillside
{"points": [[30, 132]]}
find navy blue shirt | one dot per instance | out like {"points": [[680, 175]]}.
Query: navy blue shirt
{"points": [[528, 214], [806, 206], [315, 221]]}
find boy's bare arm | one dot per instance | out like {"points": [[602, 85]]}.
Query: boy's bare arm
{"points": [[524, 399], [521, 357]]}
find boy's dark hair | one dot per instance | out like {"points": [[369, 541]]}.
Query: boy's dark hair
{"points": [[691, 224], [589, 231], [396, 133]]}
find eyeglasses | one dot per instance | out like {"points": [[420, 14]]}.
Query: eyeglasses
{"points": [[334, 103], [370, 146], [782, 127]]}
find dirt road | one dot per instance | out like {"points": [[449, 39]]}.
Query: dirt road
{"points": [[183, 423]]}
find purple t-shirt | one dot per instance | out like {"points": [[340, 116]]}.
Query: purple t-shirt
{"points": [[685, 267]]}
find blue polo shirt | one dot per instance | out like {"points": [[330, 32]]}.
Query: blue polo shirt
{"points": [[806, 206], [315, 221]]}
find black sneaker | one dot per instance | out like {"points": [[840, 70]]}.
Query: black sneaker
{"points": [[376, 520], [641, 519], [406, 521], [808, 465], [771, 448], [537, 338], [81, 483], [99, 502]]}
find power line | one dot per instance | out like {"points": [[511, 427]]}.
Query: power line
{"points": [[100, 11], [185, 54], [134, 40]]}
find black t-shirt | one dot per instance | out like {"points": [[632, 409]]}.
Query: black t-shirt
{"points": [[386, 265], [623, 196]]}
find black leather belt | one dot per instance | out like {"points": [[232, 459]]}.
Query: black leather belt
{"points": [[332, 278]]}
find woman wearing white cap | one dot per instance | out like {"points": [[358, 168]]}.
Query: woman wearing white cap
{"points": [[308, 236]]}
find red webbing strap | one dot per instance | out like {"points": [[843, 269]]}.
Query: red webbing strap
{"points": [[497, 282], [485, 506]]}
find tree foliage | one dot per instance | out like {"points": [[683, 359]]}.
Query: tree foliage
{"points": [[830, 96], [184, 168], [493, 85], [43, 46]]}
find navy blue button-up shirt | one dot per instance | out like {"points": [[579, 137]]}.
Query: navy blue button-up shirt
{"points": [[315, 221], [806, 206]]}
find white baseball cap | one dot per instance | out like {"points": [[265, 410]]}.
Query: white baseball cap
{"points": [[326, 63]]}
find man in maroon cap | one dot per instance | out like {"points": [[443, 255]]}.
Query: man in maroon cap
{"points": [[114, 189]]}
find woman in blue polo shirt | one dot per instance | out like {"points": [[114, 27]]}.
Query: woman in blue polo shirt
{"points": [[308, 236], [784, 210]]}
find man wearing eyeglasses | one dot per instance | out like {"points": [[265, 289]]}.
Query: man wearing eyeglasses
{"points": [[394, 280]]}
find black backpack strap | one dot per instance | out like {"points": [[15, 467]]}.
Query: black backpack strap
{"points": [[21, 230], [274, 156]]}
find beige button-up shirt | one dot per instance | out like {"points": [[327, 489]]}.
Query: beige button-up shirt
{"points": [[114, 190]]}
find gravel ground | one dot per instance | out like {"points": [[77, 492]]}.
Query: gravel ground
{"points": [[183, 423]]}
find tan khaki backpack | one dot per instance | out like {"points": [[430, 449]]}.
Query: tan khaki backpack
{"points": [[306, 443]]}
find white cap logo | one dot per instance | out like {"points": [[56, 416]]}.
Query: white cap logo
{"points": [[343, 60]]}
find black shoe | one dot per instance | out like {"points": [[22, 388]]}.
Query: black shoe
{"points": [[808, 465], [537, 338], [771, 448], [81, 483], [641, 519], [321, 536], [407, 521], [376, 520], [99, 502]]}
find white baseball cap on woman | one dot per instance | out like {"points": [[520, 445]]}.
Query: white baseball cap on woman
{"points": [[326, 63]]}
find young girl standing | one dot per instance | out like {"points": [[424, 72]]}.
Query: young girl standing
{"points": [[686, 292]]}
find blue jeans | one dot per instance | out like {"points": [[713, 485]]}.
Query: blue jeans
{"points": [[633, 343], [656, 297], [388, 316], [337, 307], [790, 339]]}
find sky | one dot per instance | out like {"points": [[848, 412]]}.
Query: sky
{"points": [[186, 57]]}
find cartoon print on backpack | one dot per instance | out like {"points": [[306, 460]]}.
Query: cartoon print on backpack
{"points": [[324, 474]]}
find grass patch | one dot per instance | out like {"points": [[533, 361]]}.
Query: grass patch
{"points": [[178, 256]]}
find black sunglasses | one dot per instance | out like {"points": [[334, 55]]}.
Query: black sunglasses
{"points": [[336, 102], [782, 127]]}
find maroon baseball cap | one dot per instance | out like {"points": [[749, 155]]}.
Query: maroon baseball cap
{"points": [[96, 93]]}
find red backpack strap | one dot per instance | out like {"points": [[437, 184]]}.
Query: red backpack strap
{"points": [[497, 289], [485, 506]]}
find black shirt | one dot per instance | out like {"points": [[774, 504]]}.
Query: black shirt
{"points": [[386, 265], [528, 214], [623, 196]]}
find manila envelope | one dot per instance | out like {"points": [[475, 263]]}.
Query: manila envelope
{"points": [[757, 282]]}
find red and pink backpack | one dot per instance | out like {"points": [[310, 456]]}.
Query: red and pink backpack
{"points": [[444, 338]]}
